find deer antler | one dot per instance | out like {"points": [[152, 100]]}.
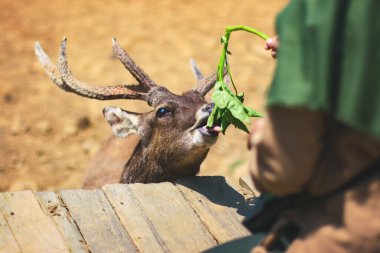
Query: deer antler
{"points": [[50, 69], [206, 84], [137, 72], [64, 79], [196, 71]]}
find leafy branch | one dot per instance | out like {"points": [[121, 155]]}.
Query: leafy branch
{"points": [[229, 108]]}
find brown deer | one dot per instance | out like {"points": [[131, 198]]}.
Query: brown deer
{"points": [[172, 140]]}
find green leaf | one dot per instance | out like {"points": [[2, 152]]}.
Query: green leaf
{"points": [[229, 119], [240, 96], [219, 113], [228, 90], [237, 110], [221, 98], [251, 112], [237, 123], [225, 123], [218, 85], [211, 118], [229, 108]]}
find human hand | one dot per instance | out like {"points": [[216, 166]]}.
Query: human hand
{"points": [[273, 44], [256, 133], [256, 136]]}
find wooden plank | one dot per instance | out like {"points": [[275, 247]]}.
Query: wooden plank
{"points": [[131, 216], [34, 231], [8, 243], [218, 205], [97, 221], [54, 207], [172, 220], [246, 183]]}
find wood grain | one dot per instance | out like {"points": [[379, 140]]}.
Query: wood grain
{"points": [[34, 231], [192, 215], [217, 204], [171, 218], [131, 217], [97, 221], [7, 241], [57, 210]]}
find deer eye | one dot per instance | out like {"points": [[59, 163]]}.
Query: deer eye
{"points": [[162, 112]]}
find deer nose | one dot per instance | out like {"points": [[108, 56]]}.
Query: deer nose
{"points": [[209, 107]]}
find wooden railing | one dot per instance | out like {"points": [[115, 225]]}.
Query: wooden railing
{"points": [[190, 215]]}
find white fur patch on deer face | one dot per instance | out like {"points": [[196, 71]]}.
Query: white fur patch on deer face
{"points": [[203, 135], [123, 123]]}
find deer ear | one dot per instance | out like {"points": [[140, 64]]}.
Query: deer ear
{"points": [[123, 123]]}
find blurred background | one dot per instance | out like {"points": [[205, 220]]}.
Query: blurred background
{"points": [[48, 136]]}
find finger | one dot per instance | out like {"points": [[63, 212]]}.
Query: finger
{"points": [[268, 44], [275, 42], [274, 54]]}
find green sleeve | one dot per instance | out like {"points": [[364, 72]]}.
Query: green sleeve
{"points": [[329, 60]]}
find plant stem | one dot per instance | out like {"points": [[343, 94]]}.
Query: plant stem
{"points": [[240, 114], [225, 40], [247, 29]]}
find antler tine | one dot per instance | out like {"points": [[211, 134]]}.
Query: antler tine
{"points": [[207, 83], [196, 71], [50, 69], [138, 73], [95, 92]]}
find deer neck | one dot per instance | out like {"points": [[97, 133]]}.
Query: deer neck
{"points": [[150, 165]]}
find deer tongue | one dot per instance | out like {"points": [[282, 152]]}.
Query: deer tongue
{"points": [[210, 131], [214, 129]]}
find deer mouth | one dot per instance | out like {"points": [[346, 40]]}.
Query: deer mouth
{"points": [[202, 127]]}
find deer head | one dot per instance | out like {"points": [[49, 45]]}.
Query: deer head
{"points": [[174, 139]]}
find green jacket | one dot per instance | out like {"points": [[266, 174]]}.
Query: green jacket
{"points": [[329, 59]]}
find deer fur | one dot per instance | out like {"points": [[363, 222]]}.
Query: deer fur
{"points": [[165, 144]]}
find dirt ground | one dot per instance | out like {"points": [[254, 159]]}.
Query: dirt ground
{"points": [[48, 136]]}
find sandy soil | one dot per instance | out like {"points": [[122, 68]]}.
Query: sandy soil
{"points": [[48, 136]]}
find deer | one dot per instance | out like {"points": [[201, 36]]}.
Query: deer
{"points": [[165, 144]]}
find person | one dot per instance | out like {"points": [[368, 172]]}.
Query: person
{"points": [[320, 140]]}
